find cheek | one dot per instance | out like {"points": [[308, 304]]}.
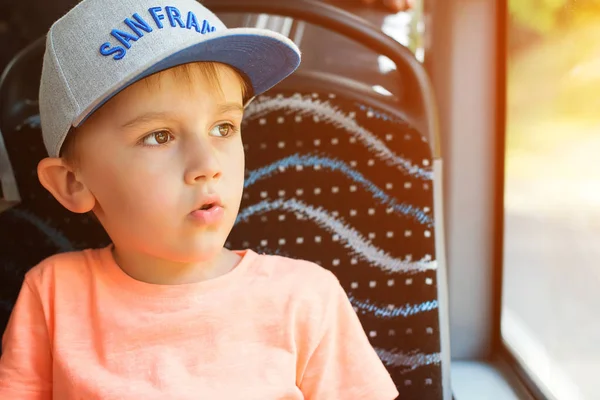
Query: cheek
{"points": [[131, 190], [235, 168]]}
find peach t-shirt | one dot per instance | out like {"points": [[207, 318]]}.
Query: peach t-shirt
{"points": [[272, 328]]}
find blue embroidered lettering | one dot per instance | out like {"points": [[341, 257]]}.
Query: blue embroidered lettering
{"points": [[118, 51], [174, 15], [138, 25], [205, 27], [157, 17], [124, 37], [192, 22]]}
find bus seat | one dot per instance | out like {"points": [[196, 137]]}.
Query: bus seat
{"points": [[337, 174]]}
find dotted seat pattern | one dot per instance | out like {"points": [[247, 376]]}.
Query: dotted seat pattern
{"points": [[329, 180], [350, 187]]}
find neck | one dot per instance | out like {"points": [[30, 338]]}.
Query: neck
{"points": [[150, 269]]}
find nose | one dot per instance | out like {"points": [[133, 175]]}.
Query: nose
{"points": [[202, 161]]}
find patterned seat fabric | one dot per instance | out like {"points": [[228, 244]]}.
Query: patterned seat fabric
{"points": [[334, 180], [330, 178]]}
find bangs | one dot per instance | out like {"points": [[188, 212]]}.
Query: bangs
{"points": [[207, 70]]}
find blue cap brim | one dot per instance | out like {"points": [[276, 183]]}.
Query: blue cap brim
{"points": [[263, 58]]}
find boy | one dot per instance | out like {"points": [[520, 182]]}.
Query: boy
{"points": [[141, 107]]}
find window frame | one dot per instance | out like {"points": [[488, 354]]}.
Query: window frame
{"points": [[473, 122]]}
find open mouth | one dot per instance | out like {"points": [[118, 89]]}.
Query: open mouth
{"points": [[209, 213], [210, 204], [207, 207]]}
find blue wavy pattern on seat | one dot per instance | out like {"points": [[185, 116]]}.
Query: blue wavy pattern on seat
{"points": [[281, 174]]}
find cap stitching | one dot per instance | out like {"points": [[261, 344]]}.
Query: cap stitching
{"points": [[62, 74], [66, 83]]}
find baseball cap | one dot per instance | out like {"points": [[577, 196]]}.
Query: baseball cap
{"points": [[101, 47]]}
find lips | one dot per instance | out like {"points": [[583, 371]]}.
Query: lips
{"points": [[209, 212], [207, 202], [208, 206]]}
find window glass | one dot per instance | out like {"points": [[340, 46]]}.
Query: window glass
{"points": [[551, 299]]}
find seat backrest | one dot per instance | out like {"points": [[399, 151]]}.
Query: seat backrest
{"points": [[336, 174], [339, 178]]}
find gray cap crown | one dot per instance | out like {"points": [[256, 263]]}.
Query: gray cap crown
{"points": [[102, 46]]}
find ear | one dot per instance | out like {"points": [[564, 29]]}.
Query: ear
{"points": [[61, 180]]}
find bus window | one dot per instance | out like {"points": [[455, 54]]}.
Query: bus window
{"points": [[551, 305]]}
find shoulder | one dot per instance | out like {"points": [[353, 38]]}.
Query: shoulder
{"points": [[301, 274], [64, 267], [309, 291]]}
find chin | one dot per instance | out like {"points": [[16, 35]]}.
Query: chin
{"points": [[184, 247]]}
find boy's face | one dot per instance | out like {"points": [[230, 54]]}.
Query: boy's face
{"points": [[158, 152]]}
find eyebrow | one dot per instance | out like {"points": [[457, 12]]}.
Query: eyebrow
{"points": [[153, 116], [150, 116], [227, 107]]}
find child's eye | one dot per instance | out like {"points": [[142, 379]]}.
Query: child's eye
{"points": [[157, 138], [223, 130]]}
